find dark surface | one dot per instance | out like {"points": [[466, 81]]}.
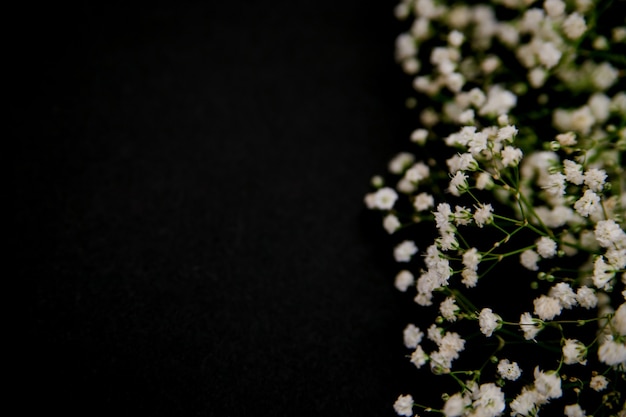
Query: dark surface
{"points": [[188, 206]]}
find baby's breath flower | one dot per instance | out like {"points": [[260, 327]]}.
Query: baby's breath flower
{"points": [[400, 162], [554, 8], [529, 259], [404, 279], [574, 410], [456, 405], [383, 199], [419, 357], [483, 215], [419, 136], [598, 383], [412, 336], [529, 326], [574, 26], [574, 351], [547, 307], [556, 184], [588, 204], [546, 247], [511, 156], [612, 353], [405, 251], [488, 321], [484, 181], [423, 201], [586, 297], [566, 139], [548, 384], [602, 274], [573, 172], [509, 370], [391, 223], [526, 403], [608, 233], [448, 309], [458, 183], [404, 405], [594, 179]]}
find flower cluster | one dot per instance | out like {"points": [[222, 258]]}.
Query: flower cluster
{"points": [[515, 183]]}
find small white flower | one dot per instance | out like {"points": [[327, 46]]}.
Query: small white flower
{"points": [[588, 204], [412, 336], [529, 326], [404, 279], [612, 353], [608, 233], [488, 321], [574, 410], [484, 181], [529, 259], [546, 247], [564, 293], [511, 156], [555, 184], [602, 274], [507, 133], [549, 54], [574, 26], [554, 8], [384, 198], [456, 38], [470, 278], [419, 136], [419, 357], [526, 403], [405, 251], [594, 179], [574, 351], [604, 76], [456, 405], [423, 201], [566, 139], [548, 384], [417, 172], [391, 223], [598, 383], [573, 172], [448, 309], [547, 307], [404, 405], [458, 184], [400, 162], [509, 370], [483, 215], [586, 297]]}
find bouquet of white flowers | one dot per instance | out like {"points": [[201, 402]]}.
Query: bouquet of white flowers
{"points": [[517, 194]]}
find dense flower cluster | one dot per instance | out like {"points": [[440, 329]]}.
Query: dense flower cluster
{"points": [[519, 143]]}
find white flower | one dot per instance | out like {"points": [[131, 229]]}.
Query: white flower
{"points": [[391, 223], [419, 136], [566, 139], [405, 251], [602, 274], [458, 184], [417, 172], [448, 309], [554, 8], [488, 321], [456, 38], [484, 181], [404, 405], [619, 320], [574, 351], [588, 204], [598, 383], [507, 133], [529, 326], [511, 156], [594, 179], [537, 77], [574, 26], [608, 233], [462, 162], [404, 280], [612, 353], [412, 336], [574, 410], [547, 307], [573, 172], [549, 55], [405, 47], [470, 278], [548, 384], [564, 293], [423, 201], [529, 259], [488, 400], [546, 247], [509, 370], [586, 297], [384, 198], [400, 162], [483, 215], [555, 184], [604, 76], [462, 216], [456, 405], [419, 357], [471, 258], [525, 404]]}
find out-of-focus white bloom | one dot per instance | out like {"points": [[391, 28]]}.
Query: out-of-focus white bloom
{"points": [[600, 106], [405, 47], [419, 357], [526, 403], [456, 405], [529, 259], [423, 201], [555, 184], [574, 351], [588, 204], [608, 233], [574, 410], [619, 320], [405, 251], [604, 76], [546, 247], [548, 384], [547, 307], [554, 8], [537, 77], [404, 279], [484, 181], [549, 55], [417, 172], [566, 139], [456, 38], [594, 178], [404, 405], [419, 136], [602, 274], [573, 172], [511, 156], [574, 26], [488, 400], [612, 353], [400, 162], [564, 293], [412, 336], [391, 223]]}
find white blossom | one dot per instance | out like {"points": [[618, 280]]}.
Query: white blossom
{"points": [[509, 370], [412, 336], [588, 204], [529, 259], [404, 405], [598, 383], [574, 351], [483, 215], [548, 384], [529, 326], [405, 251], [574, 410], [574, 26], [423, 201], [612, 352], [488, 321], [448, 309], [404, 279], [547, 307], [419, 357], [564, 293], [391, 223], [594, 179], [586, 297], [400, 162], [546, 247]]}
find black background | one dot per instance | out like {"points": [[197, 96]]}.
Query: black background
{"points": [[189, 225]]}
